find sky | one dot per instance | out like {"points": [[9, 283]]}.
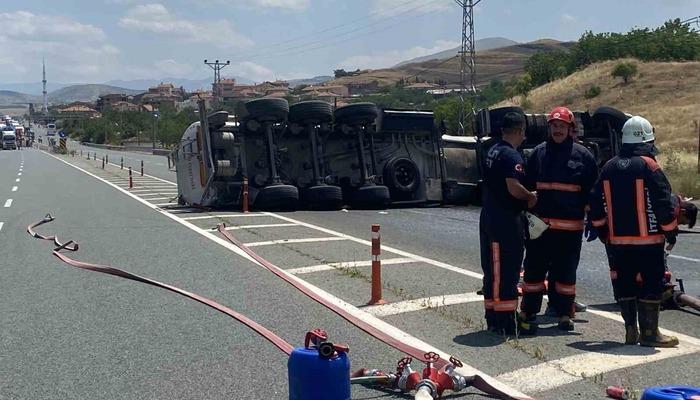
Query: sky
{"points": [[94, 41]]}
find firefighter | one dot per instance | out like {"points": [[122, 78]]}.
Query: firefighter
{"points": [[501, 229], [635, 214], [563, 173]]}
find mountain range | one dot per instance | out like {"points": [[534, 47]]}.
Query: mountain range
{"points": [[480, 45]]}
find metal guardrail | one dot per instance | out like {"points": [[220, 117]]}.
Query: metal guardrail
{"points": [[157, 152]]}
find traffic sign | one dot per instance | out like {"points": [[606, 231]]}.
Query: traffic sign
{"points": [[61, 134]]}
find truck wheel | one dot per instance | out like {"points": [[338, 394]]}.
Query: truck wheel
{"points": [[264, 110], [315, 112], [324, 197], [402, 174], [358, 113], [277, 198], [371, 197]]}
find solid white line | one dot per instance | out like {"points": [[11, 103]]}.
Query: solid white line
{"points": [[684, 258], [235, 228], [14, 188], [421, 304], [8, 203], [347, 264], [563, 371], [165, 204], [390, 249], [385, 327], [1, 224], [302, 240], [225, 216]]}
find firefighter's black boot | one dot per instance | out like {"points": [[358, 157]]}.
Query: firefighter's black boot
{"points": [[628, 309], [649, 326]]}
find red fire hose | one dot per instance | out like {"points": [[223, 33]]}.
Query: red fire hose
{"points": [[476, 381]]}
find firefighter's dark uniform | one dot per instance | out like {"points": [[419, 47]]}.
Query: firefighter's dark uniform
{"points": [[501, 237], [563, 175], [632, 203]]}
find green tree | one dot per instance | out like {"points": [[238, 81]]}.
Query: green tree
{"points": [[624, 70], [545, 67]]}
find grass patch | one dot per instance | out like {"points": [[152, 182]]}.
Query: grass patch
{"points": [[682, 171]]}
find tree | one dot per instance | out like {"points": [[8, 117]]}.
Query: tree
{"points": [[624, 70], [339, 73], [545, 67]]}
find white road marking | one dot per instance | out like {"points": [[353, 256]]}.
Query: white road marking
{"points": [[421, 304], [19, 174], [563, 371], [235, 228], [385, 327], [14, 188], [225, 216], [172, 195], [17, 180], [8, 203], [165, 204], [160, 198], [348, 264], [302, 240], [390, 249], [684, 258], [1, 224]]}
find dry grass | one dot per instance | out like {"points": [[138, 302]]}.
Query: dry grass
{"points": [[666, 93]]}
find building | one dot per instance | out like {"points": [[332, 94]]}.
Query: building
{"points": [[105, 102], [225, 90], [192, 100], [77, 111], [163, 95], [124, 106], [340, 90]]}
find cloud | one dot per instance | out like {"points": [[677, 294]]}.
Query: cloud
{"points": [[24, 25], [567, 18], [173, 68], [385, 59], [155, 18], [74, 51], [296, 5], [389, 8]]}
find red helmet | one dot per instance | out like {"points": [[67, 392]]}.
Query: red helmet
{"points": [[561, 114]]}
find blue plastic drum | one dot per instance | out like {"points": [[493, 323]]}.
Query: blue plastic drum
{"points": [[312, 377], [671, 393]]}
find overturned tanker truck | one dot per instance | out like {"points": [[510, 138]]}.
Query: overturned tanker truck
{"points": [[311, 156]]}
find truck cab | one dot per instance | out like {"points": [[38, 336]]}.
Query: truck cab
{"points": [[9, 139]]}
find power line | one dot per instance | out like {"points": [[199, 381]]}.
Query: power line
{"points": [[292, 50]]}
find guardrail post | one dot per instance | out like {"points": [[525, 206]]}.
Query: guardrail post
{"points": [[131, 180], [106, 158], [244, 200], [121, 163], [376, 267], [141, 167], [103, 162]]}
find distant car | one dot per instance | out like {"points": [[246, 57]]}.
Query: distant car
{"points": [[51, 130]]}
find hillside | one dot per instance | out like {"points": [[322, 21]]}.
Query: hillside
{"points": [[86, 93], [481, 44], [503, 63], [8, 97], [666, 93]]}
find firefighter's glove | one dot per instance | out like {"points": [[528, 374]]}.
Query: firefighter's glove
{"points": [[671, 238], [590, 232]]}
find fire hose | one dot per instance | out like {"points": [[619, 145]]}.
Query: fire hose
{"points": [[433, 364], [437, 377]]}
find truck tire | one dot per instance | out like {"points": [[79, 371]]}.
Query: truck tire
{"points": [[315, 112], [323, 197], [265, 110], [277, 198], [358, 113], [372, 197], [222, 140], [402, 174]]}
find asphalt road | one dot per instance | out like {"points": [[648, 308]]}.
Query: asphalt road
{"points": [[77, 334]]}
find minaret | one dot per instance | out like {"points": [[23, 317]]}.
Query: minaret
{"points": [[45, 108]]}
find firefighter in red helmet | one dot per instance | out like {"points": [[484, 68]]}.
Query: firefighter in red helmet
{"points": [[563, 173]]}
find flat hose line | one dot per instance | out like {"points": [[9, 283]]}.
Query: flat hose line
{"points": [[478, 381], [259, 329]]}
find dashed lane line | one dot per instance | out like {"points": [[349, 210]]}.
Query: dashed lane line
{"points": [[17, 180], [14, 188], [1, 224], [8, 203], [344, 265], [387, 328], [401, 307], [301, 240]]}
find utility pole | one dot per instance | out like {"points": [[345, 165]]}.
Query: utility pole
{"points": [[217, 67], [467, 64], [45, 106]]}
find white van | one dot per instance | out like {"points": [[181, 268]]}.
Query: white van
{"points": [[9, 140], [51, 130]]}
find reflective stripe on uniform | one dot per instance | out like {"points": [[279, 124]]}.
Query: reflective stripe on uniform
{"points": [[565, 289], [536, 287], [641, 207], [670, 226], [600, 222], [496, 266], [505, 305], [635, 240], [608, 202], [563, 187], [565, 224], [488, 304]]}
